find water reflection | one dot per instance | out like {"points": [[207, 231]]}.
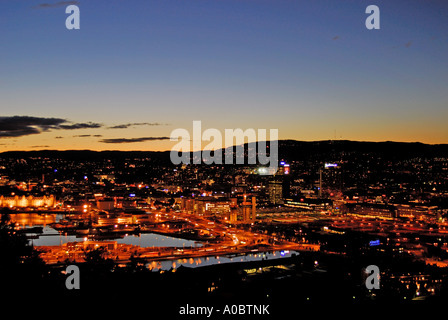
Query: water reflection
{"points": [[208, 261], [25, 220], [51, 237], [156, 240]]}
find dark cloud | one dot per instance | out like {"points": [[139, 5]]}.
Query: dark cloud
{"points": [[132, 140], [88, 125], [87, 135], [408, 44], [335, 38], [18, 126], [127, 125], [57, 4], [40, 147]]}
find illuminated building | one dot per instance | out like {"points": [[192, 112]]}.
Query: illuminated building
{"points": [[225, 209], [209, 206], [412, 211], [283, 168], [4, 180], [233, 216], [286, 179], [249, 210], [105, 204], [217, 208], [311, 204], [275, 190], [331, 180], [25, 202], [374, 210], [107, 177], [280, 186]]}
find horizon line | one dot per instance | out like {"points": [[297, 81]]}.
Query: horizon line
{"points": [[246, 143]]}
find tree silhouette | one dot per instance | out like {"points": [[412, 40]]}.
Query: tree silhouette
{"points": [[20, 264], [136, 264], [96, 262]]}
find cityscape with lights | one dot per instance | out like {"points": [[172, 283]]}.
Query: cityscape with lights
{"points": [[237, 158], [227, 231]]}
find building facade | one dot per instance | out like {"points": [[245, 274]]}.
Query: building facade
{"points": [[27, 202]]}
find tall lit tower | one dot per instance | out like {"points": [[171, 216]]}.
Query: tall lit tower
{"points": [[249, 209], [330, 180]]}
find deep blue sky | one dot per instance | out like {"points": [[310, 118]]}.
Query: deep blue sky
{"points": [[309, 68]]}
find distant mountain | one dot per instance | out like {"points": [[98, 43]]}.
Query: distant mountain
{"points": [[288, 149], [85, 154], [297, 150]]}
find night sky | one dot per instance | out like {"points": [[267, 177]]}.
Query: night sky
{"points": [[136, 70]]}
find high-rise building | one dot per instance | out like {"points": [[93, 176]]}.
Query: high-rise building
{"points": [[275, 190], [331, 182], [233, 216], [283, 175], [249, 209]]}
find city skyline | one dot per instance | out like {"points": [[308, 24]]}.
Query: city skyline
{"points": [[209, 233], [136, 71], [117, 183]]}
